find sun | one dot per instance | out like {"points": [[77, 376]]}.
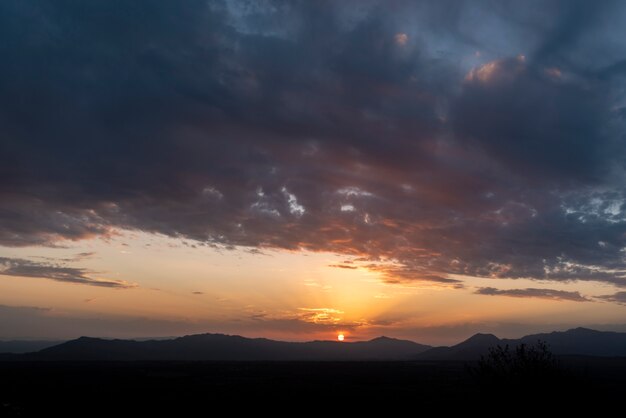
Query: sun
{"points": [[341, 337]]}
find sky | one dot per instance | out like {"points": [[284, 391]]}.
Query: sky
{"points": [[295, 170]]}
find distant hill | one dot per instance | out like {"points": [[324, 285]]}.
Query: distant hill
{"points": [[218, 347], [578, 341], [582, 341], [470, 349], [25, 346]]}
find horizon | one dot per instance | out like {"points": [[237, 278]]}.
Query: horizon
{"points": [[169, 338], [312, 171], [335, 340], [224, 347]]}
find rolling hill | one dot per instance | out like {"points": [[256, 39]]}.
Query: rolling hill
{"points": [[578, 342], [219, 347]]}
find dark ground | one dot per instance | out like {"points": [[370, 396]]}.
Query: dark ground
{"points": [[190, 389]]}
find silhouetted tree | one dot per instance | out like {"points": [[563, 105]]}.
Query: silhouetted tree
{"points": [[526, 367]]}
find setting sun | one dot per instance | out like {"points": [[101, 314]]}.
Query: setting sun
{"points": [[340, 337]]}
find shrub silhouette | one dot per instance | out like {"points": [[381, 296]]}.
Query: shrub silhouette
{"points": [[525, 366]]}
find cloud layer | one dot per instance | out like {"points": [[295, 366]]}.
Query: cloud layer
{"points": [[551, 294], [619, 297], [60, 273], [405, 136]]}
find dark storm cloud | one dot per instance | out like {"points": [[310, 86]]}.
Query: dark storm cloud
{"points": [[551, 294], [534, 121], [574, 20], [26, 268], [366, 129]]}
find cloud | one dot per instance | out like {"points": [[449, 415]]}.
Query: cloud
{"points": [[343, 266], [534, 123], [83, 255], [26, 268], [305, 321], [401, 38], [225, 125], [561, 295], [320, 315], [619, 297], [71, 259]]}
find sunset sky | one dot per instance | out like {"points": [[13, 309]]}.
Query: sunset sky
{"points": [[296, 170]]}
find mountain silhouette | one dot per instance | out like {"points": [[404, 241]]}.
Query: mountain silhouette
{"points": [[582, 341], [219, 347], [17, 346], [470, 349], [578, 341]]}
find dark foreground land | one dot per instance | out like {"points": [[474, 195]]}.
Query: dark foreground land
{"points": [[76, 388]]}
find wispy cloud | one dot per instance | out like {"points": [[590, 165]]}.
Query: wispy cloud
{"points": [[619, 297], [534, 293], [83, 256], [343, 266], [320, 315], [26, 268]]}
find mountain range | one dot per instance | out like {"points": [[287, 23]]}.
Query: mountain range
{"points": [[219, 347], [574, 342], [25, 346]]}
